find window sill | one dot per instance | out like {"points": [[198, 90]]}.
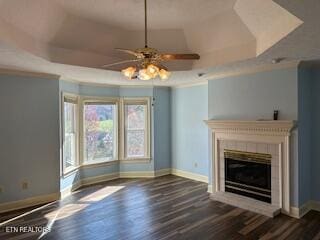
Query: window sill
{"points": [[70, 171], [87, 165], [99, 164], [136, 160]]}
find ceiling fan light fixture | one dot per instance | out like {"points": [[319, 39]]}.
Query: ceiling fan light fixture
{"points": [[152, 70], [164, 74], [129, 72], [144, 75]]}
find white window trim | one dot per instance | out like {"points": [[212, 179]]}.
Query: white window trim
{"points": [[147, 156], [107, 100], [72, 98]]}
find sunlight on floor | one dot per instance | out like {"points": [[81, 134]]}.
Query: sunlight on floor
{"points": [[101, 194], [56, 213], [65, 211], [82, 203]]}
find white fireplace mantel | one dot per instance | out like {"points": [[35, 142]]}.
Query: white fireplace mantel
{"points": [[268, 133], [252, 127]]}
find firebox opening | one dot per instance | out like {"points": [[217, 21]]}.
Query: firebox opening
{"points": [[248, 174]]}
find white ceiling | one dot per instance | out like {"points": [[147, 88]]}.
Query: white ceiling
{"points": [[164, 14], [73, 38]]}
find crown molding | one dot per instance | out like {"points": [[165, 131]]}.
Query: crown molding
{"points": [[28, 74], [191, 84], [252, 70], [93, 84]]}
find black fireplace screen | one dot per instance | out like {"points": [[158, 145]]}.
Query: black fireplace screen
{"points": [[248, 174]]}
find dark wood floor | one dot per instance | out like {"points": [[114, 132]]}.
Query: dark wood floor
{"points": [[168, 207]]}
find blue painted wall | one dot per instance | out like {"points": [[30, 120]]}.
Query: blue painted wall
{"points": [[315, 158], [255, 96], [309, 131], [69, 87], [305, 142], [98, 91], [189, 134], [162, 128], [136, 92], [70, 180], [29, 139], [94, 171]]}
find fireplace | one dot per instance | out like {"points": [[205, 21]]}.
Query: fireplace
{"points": [[248, 174], [251, 165]]}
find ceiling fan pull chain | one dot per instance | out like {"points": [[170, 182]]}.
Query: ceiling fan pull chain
{"points": [[145, 25]]}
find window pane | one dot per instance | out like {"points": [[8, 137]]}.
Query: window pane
{"points": [[135, 130], [99, 129], [69, 144], [135, 143], [69, 112], [135, 116]]}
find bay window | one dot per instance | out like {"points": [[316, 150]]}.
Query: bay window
{"points": [[95, 133]]}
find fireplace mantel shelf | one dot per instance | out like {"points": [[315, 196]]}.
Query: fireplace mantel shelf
{"points": [[279, 126]]}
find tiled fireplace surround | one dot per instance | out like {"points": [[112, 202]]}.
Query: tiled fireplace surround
{"points": [[271, 137]]}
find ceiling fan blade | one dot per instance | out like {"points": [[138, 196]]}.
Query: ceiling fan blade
{"points": [[191, 56], [131, 52], [122, 62]]}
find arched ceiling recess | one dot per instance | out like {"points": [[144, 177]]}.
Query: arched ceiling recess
{"points": [[74, 38]]}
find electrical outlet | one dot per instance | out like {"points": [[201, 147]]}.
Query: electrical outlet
{"points": [[25, 185]]}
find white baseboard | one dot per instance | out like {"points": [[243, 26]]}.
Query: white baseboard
{"points": [[88, 181], [190, 175], [107, 177], [294, 212], [68, 190], [299, 212], [29, 202], [99, 179], [163, 172], [315, 205], [144, 174]]}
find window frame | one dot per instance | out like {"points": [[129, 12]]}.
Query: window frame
{"points": [[71, 98], [147, 143], [98, 100]]}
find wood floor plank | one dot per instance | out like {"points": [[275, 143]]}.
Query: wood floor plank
{"points": [[167, 207]]}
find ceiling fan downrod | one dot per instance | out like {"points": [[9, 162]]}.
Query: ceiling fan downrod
{"points": [[145, 25]]}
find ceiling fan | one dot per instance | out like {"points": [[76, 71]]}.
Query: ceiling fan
{"points": [[148, 62]]}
